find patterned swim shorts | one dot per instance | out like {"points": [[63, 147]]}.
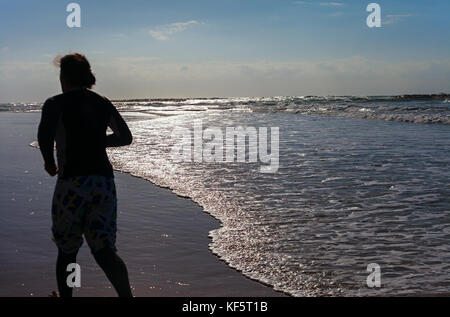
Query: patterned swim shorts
{"points": [[84, 205]]}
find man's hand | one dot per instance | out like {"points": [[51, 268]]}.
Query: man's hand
{"points": [[51, 169]]}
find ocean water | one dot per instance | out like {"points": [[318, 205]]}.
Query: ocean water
{"points": [[360, 180]]}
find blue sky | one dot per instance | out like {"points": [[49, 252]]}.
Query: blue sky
{"points": [[228, 48]]}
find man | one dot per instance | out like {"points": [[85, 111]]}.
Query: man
{"points": [[84, 201]]}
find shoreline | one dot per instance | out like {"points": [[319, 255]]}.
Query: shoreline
{"points": [[162, 237], [222, 280], [277, 292]]}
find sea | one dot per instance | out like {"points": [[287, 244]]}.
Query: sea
{"points": [[361, 182]]}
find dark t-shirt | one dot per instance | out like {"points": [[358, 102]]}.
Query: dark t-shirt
{"points": [[78, 120]]}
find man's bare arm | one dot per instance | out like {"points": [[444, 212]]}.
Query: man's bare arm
{"points": [[122, 134], [46, 135]]}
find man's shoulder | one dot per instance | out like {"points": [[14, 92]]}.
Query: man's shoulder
{"points": [[98, 96], [60, 98], [54, 99], [52, 102]]}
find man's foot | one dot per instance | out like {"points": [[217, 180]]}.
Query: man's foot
{"points": [[53, 294]]}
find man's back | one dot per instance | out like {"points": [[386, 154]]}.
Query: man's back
{"points": [[78, 120]]}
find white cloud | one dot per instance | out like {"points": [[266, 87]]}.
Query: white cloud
{"points": [[162, 33], [394, 18], [332, 4]]}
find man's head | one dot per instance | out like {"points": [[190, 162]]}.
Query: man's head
{"points": [[75, 72]]}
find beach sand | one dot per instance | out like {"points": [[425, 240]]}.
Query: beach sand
{"points": [[163, 238]]}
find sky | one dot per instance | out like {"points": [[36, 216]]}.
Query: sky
{"points": [[189, 48]]}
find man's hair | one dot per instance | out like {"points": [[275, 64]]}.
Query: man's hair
{"points": [[76, 69]]}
